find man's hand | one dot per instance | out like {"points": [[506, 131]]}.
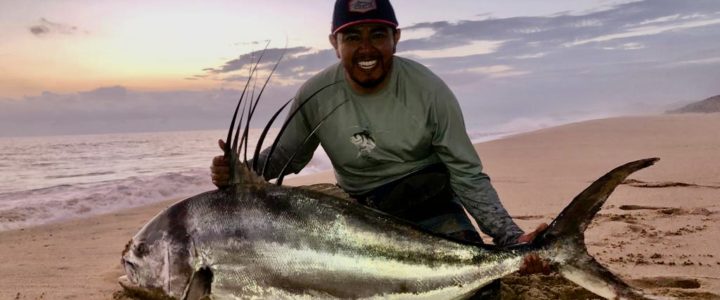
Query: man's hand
{"points": [[532, 263], [220, 169]]}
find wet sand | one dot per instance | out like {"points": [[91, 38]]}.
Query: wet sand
{"points": [[659, 231]]}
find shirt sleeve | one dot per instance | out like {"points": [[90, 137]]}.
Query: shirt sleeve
{"points": [[467, 179], [295, 139]]}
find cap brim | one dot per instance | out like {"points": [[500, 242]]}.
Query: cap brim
{"points": [[386, 22]]}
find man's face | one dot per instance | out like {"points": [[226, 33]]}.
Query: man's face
{"points": [[366, 52]]}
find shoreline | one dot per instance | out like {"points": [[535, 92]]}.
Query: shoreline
{"points": [[73, 201], [536, 174]]}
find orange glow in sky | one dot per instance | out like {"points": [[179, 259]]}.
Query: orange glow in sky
{"points": [[141, 45]]}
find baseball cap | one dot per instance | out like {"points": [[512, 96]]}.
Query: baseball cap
{"points": [[352, 12]]}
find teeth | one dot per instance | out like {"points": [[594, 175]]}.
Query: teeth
{"points": [[367, 64]]}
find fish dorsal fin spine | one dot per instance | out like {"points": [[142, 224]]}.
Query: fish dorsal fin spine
{"points": [[300, 104], [243, 172]]}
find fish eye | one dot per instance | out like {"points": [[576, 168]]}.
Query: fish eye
{"points": [[141, 250]]}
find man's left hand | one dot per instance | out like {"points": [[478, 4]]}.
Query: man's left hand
{"points": [[532, 263]]}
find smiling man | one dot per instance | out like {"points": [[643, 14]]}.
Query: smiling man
{"points": [[395, 135], [365, 37]]}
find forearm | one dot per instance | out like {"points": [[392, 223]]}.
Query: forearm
{"points": [[482, 202]]}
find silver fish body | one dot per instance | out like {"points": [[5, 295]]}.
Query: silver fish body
{"points": [[261, 241], [276, 242]]}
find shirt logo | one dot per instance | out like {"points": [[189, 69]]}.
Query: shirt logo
{"points": [[362, 6], [364, 142]]}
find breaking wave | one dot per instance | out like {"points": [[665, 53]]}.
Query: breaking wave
{"points": [[69, 201]]}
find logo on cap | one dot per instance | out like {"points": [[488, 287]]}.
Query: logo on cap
{"points": [[362, 6]]}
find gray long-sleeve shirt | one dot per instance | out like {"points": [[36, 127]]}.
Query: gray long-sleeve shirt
{"points": [[413, 122]]}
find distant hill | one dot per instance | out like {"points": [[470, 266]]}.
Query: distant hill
{"points": [[709, 105]]}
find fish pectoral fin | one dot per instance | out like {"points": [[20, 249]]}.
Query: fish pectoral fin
{"points": [[200, 285]]}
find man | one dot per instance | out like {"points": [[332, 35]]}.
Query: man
{"points": [[395, 135]]}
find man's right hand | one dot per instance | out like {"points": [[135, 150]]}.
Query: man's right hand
{"points": [[220, 169]]}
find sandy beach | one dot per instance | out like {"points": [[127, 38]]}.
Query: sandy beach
{"points": [[659, 231]]}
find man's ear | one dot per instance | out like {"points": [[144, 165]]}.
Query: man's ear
{"points": [[334, 43], [396, 38]]}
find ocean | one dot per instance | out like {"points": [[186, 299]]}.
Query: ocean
{"points": [[55, 178]]}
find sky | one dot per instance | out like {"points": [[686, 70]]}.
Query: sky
{"points": [[96, 66]]}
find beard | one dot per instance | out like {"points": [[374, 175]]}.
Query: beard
{"points": [[373, 78], [369, 83]]}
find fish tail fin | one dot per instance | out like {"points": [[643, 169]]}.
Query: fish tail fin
{"points": [[576, 217], [564, 239]]}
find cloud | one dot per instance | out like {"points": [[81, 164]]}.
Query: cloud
{"points": [[579, 41], [118, 109], [497, 71], [297, 65], [268, 56], [626, 46], [45, 27], [618, 58], [450, 46], [472, 48], [622, 21], [639, 54], [39, 29], [646, 30]]}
